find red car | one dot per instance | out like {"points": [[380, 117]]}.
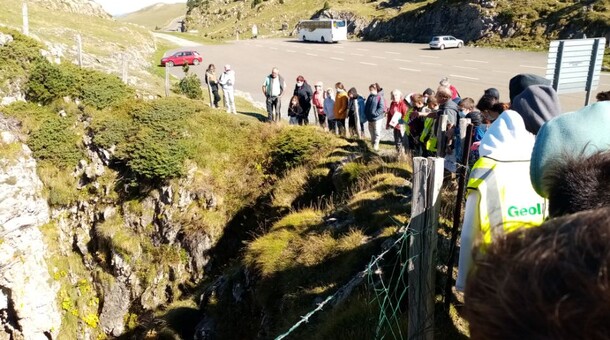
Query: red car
{"points": [[181, 58]]}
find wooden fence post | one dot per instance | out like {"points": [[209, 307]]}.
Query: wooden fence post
{"points": [[441, 141], [427, 182], [79, 50], [166, 80], [26, 22], [457, 212]]}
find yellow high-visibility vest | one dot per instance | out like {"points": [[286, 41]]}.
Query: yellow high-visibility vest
{"points": [[507, 200], [431, 142]]}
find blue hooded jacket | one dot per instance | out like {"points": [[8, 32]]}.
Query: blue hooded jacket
{"points": [[374, 108]]}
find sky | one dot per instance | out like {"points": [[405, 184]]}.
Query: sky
{"points": [[118, 7]]}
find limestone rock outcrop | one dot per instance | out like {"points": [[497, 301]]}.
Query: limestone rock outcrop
{"points": [[28, 306]]}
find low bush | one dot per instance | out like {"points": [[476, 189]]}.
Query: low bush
{"points": [[16, 56], [190, 86], [296, 146], [49, 82], [56, 143]]}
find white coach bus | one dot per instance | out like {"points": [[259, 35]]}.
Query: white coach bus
{"points": [[326, 30]]}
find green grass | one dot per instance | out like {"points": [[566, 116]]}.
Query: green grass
{"points": [[195, 37], [157, 15]]}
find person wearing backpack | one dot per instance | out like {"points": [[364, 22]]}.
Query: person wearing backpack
{"points": [[374, 110]]}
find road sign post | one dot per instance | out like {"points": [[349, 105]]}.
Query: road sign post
{"points": [[575, 65]]}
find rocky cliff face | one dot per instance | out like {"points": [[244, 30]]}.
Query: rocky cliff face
{"points": [[28, 307], [84, 7]]}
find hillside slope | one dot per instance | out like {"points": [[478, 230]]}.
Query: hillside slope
{"points": [[157, 16], [104, 40], [529, 24]]}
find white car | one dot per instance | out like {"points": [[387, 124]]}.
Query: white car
{"points": [[445, 41]]}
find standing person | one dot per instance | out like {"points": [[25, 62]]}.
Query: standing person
{"points": [[295, 111], [227, 81], [500, 196], [340, 109], [273, 88], [355, 110], [450, 109], [210, 79], [395, 119], [455, 94], [374, 109], [428, 135], [318, 103], [329, 110], [428, 93], [304, 92], [414, 124]]}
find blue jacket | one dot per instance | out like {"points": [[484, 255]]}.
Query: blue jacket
{"points": [[374, 107]]}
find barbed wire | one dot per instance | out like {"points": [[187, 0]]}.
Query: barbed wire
{"points": [[405, 233]]}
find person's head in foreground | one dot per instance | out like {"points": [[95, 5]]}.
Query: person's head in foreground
{"points": [[550, 282]]}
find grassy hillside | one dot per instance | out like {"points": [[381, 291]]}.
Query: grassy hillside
{"points": [[155, 16], [103, 40]]}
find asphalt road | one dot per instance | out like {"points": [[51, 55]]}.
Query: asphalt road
{"points": [[408, 67]]}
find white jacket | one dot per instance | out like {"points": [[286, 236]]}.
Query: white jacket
{"points": [[505, 140], [227, 79]]}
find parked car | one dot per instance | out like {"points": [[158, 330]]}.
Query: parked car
{"points": [[181, 58], [445, 41]]}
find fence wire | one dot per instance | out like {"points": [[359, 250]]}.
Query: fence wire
{"points": [[386, 276]]}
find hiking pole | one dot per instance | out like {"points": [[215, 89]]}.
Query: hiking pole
{"points": [[457, 212]]}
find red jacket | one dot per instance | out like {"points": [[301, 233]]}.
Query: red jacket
{"points": [[318, 102], [401, 107]]}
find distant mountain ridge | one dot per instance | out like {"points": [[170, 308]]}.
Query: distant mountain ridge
{"points": [[85, 7], [159, 15]]}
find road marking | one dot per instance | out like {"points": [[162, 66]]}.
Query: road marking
{"points": [[465, 67], [432, 64], [291, 51], [335, 58], [404, 60], [409, 69], [311, 54], [362, 49], [529, 66], [428, 56], [388, 52], [357, 54], [378, 57], [365, 63], [476, 61], [464, 77]]}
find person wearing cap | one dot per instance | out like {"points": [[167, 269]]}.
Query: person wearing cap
{"points": [[318, 103], [227, 81], [304, 92], [273, 88], [493, 93], [561, 169]]}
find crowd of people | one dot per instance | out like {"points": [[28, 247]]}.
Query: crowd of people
{"points": [[534, 256]]}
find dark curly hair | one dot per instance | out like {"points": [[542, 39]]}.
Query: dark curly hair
{"points": [[549, 282]]}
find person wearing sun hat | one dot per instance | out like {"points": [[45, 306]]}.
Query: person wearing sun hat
{"points": [[576, 134]]}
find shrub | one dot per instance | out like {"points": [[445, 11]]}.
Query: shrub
{"points": [[191, 86], [102, 90], [48, 82], [256, 3], [151, 138], [15, 57], [326, 6], [295, 146], [56, 143]]}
